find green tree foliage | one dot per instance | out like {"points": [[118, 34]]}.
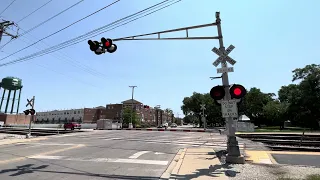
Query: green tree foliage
{"points": [[299, 103], [127, 117]]}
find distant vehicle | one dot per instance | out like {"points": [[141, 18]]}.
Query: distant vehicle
{"points": [[72, 126], [173, 125]]}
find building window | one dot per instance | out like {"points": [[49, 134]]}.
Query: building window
{"points": [[78, 112], [72, 118], [64, 113], [75, 112], [108, 107]]}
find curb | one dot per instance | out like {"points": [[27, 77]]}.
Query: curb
{"points": [[175, 164], [150, 129]]}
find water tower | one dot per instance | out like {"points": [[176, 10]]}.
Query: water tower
{"points": [[7, 85]]}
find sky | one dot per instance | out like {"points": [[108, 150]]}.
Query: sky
{"points": [[271, 37]]}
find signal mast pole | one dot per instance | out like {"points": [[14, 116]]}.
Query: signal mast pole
{"points": [[233, 148]]}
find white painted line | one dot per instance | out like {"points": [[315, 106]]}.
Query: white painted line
{"points": [[49, 144], [136, 155], [158, 153], [46, 157], [132, 161]]}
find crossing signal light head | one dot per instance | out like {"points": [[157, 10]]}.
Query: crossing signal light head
{"points": [[237, 91], [94, 45], [146, 107], [217, 93], [108, 45], [32, 111], [26, 112]]}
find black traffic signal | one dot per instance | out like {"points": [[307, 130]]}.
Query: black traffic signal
{"points": [[237, 91], [94, 45], [108, 45], [146, 107], [217, 93], [30, 111]]}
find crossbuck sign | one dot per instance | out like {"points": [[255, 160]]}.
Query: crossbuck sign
{"points": [[223, 56]]}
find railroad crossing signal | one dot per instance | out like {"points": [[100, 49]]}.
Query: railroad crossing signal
{"points": [[236, 91], [202, 107], [29, 111], [105, 45], [29, 102], [223, 56]]}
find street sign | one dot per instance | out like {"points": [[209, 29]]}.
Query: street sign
{"points": [[223, 56], [29, 102], [229, 108], [203, 107], [225, 69]]}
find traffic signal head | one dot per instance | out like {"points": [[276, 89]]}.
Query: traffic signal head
{"points": [[94, 45], [237, 91], [146, 107], [108, 45], [32, 111], [217, 93], [26, 112]]}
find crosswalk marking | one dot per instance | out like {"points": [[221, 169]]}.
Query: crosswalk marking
{"points": [[103, 160]]}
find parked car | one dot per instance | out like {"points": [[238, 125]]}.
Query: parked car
{"points": [[174, 125], [72, 126]]}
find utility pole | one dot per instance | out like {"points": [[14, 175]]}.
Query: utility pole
{"points": [[130, 124], [234, 155], [3, 26]]}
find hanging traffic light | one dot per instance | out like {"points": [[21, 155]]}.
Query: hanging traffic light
{"points": [[108, 45], [217, 93], [94, 45], [237, 91]]}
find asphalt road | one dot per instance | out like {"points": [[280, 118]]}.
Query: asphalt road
{"points": [[298, 159], [98, 155]]}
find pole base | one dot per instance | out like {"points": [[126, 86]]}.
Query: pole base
{"points": [[28, 135], [130, 125], [235, 159]]}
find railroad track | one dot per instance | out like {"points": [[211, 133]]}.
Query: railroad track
{"points": [[36, 132], [286, 142]]}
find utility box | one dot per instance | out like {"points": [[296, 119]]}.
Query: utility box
{"points": [[108, 124]]}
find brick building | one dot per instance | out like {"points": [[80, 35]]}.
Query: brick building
{"points": [[15, 119]]}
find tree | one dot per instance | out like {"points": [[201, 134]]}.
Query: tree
{"points": [[127, 116], [304, 97], [275, 113], [253, 103]]}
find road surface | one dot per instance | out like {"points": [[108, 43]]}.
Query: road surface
{"points": [[98, 155]]}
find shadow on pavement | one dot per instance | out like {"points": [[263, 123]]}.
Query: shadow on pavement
{"points": [[31, 168], [212, 171]]}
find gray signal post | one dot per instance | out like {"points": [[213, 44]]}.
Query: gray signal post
{"points": [[30, 103], [234, 155], [130, 124]]}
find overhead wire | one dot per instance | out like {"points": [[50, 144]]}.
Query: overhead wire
{"points": [[7, 7], [61, 29], [68, 76], [74, 63], [25, 17], [94, 33], [45, 21]]}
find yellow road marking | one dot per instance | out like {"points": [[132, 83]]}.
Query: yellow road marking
{"points": [[294, 152], [41, 154], [259, 157]]}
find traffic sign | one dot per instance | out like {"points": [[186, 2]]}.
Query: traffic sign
{"points": [[203, 107], [29, 102], [229, 108], [225, 69], [223, 56]]}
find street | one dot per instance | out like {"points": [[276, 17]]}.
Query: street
{"points": [[98, 155]]}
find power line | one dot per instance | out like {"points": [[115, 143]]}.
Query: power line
{"points": [[84, 36], [7, 7], [34, 11], [61, 29], [68, 76], [40, 24]]}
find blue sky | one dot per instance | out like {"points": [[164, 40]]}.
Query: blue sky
{"points": [[271, 38]]}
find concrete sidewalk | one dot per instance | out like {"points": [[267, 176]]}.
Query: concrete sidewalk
{"points": [[197, 163]]}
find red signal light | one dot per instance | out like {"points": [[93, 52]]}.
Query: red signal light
{"points": [[106, 43], [217, 93], [237, 91]]}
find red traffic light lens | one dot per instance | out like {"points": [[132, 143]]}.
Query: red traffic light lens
{"points": [[107, 43], [237, 91], [217, 93]]}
